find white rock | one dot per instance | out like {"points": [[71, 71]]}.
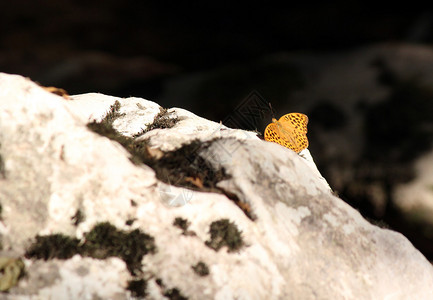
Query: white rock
{"points": [[76, 278], [304, 242], [415, 198]]}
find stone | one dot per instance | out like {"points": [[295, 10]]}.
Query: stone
{"points": [[415, 198], [97, 205]]}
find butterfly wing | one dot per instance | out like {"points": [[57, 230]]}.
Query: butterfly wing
{"points": [[274, 134], [294, 126], [300, 141], [297, 121]]}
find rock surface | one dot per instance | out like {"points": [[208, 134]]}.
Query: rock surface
{"points": [[188, 209], [370, 121]]}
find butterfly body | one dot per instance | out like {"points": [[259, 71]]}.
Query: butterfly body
{"points": [[289, 131]]}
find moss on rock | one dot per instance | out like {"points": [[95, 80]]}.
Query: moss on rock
{"points": [[224, 233], [103, 241]]}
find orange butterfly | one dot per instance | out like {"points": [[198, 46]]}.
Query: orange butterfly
{"points": [[289, 131]]}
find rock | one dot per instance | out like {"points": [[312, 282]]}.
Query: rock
{"points": [[370, 120], [98, 205], [11, 270], [415, 197]]}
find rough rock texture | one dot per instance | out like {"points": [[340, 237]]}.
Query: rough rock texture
{"points": [[190, 209], [370, 113]]}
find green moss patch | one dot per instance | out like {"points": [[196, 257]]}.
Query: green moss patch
{"points": [[78, 217], [129, 222], [137, 287], [105, 128], [53, 246], [183, 224], [138, 150], [162, 120], [103, 241], [183, 167], [224, 233], [174, 294], [170, 293], [113, 113], [201, 269]]}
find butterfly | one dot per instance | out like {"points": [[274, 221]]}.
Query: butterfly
{"points": [[289, 131]]}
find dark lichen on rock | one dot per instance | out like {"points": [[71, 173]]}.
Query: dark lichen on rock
{"points": [[224, 233], [53, 246], [201, 269], [105, 127], [183, 224], [113, 113], [103, 241], [78, 217], [137, 287], [183, 167], [162, 120], [129, 222], [185, 159], [186, 167], [138, 149], [172, 293]]}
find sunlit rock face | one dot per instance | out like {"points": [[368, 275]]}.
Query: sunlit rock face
{"points": [[117, 197]]}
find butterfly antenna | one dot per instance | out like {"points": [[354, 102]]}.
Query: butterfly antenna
{"points": [[272, 110]]}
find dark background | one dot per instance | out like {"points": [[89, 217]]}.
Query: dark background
{"points": [[43, 39], [137, 48]]}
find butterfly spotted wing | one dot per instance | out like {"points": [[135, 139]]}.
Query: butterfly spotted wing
{"points": [[289, 131]]}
